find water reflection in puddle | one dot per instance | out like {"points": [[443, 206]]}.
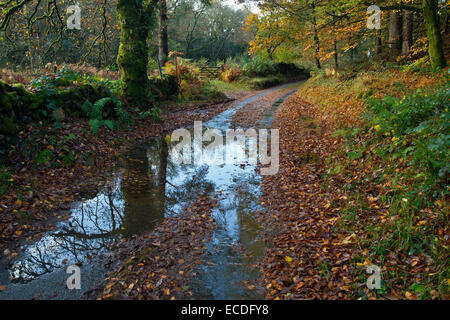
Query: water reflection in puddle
{"points": [[147, 187]]}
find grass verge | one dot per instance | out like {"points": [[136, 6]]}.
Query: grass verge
{"points": [[392, 169]]}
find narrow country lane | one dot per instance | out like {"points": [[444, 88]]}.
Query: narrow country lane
{"points": [[134, 201]]}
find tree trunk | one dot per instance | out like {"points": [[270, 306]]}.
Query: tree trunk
{"points": [[316, 38], [316, 54], [378, 45], [435, 44], [162, 36], [135, 20], [336, 63], [446, 23], [162, 172], [407, 32], [395, 23]]}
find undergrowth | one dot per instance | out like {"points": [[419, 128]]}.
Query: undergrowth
{"points": [[393, 168]]}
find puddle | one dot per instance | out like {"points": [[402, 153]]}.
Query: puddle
{"points": [[147, 187], [223, 120], [267, 118]]}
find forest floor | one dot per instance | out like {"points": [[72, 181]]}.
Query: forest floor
{"points": [[39, 196], [169, 269], [315, 250], [326, 233], [310, 259]]}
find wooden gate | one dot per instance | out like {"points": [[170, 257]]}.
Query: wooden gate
{"points": [[210, 71]]}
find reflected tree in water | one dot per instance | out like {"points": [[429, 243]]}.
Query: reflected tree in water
{"points": [[149, 188]]}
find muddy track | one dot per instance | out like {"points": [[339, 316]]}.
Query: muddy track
{"points": [[120, 209]]}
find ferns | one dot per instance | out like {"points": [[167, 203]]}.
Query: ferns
{"points": [[97, 113], [97, 109], [86, 107]]}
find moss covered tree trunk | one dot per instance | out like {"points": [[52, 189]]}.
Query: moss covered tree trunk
{"points": [[435, 46], [136, 19]]}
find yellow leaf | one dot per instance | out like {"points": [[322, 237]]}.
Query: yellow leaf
{"points": [[288, 259], [109, 285], [410, 296], [349, 239]]}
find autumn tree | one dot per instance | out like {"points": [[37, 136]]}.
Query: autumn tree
{"points": [[318, 27], [325, 24], [430, 11], [299, 15]]}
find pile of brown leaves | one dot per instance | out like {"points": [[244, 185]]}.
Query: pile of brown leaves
{"points": [[319, 250], [309, 259], [248, 115], [160, 265]]}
